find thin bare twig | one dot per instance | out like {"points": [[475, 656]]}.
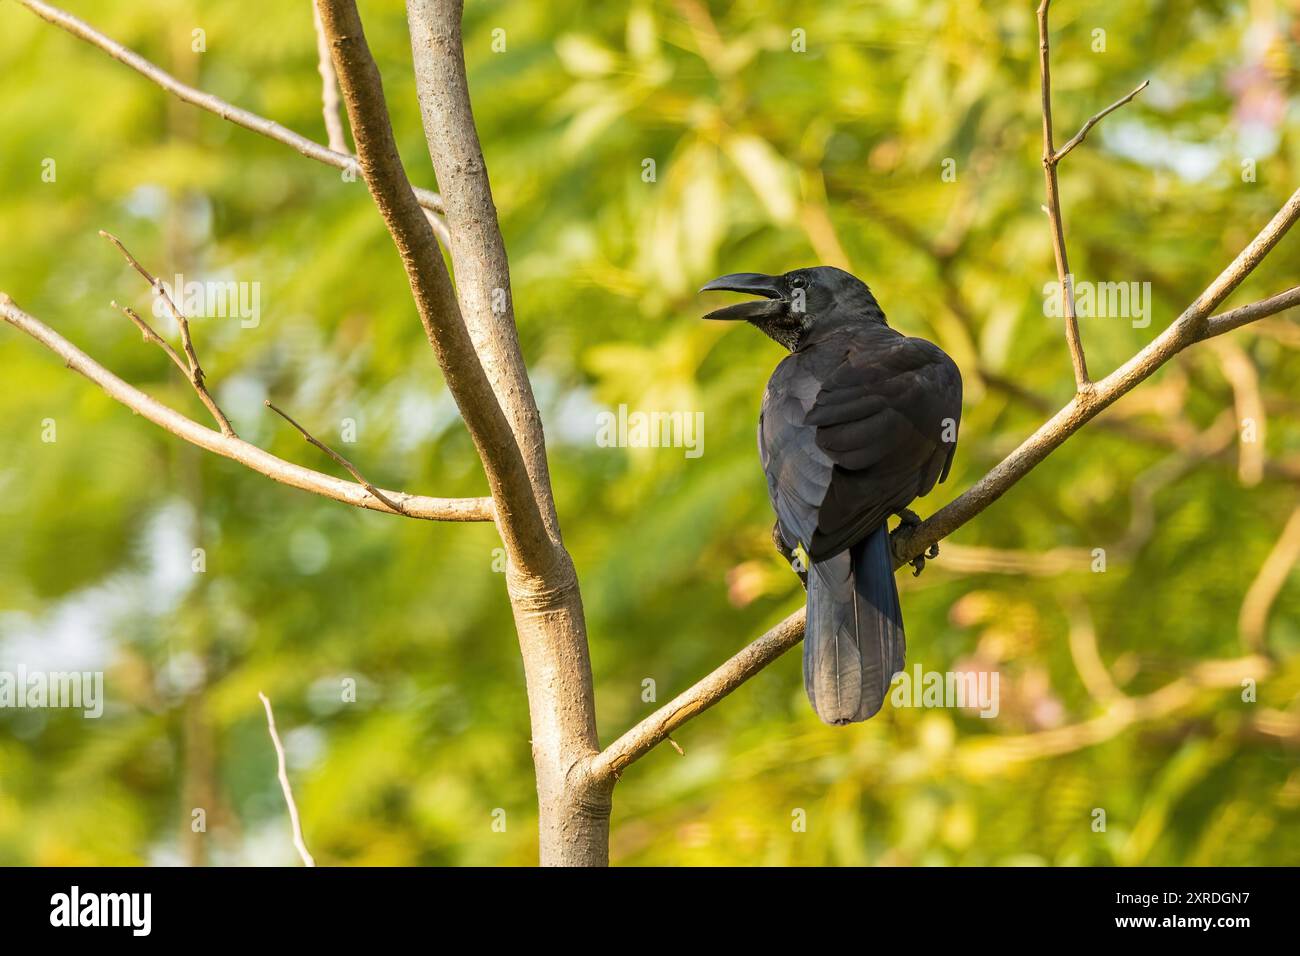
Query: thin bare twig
{"points": [[1053, 207], [234, 448], [329, 94], [339, 458], [1051, 158], [193, 370], [150, 335], [440, 227], [282, 773], [1083, 133], [213, 104]]}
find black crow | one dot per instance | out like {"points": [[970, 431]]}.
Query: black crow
{"points": [[857, 422]]}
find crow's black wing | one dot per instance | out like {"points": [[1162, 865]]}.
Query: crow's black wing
{"points": [[798, 472], [853, 429]]}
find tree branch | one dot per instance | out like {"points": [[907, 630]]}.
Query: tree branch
{"points": [[1053, 209], [150, 335], [339, 159], [573, 805], [477, 250], [699, 697], [1050, 160], [1243, 315], [1192, 326], [197, 381], [1052, 157], [193, 368], [522, 528], [329, 92], [236, 449]]}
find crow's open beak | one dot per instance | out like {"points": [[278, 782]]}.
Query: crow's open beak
{"points": [[751, 283]]}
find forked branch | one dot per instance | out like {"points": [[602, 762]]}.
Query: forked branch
{"points": [[236, 449], [1051, 158], [525, 534], [193, 371]]}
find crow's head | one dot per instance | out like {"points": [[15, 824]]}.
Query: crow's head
{"points": [[797, 302]]}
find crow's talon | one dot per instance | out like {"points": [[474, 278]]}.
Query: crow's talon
{"points": [[907, 518], [918, 562]]}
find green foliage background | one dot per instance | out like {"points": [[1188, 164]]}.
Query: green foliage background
{"points": [[766, 159]]}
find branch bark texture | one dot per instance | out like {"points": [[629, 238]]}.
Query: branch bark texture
{"points": [[477, 346]]}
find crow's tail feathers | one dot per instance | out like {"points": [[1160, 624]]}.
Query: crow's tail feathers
{"points": [[853, 643]]}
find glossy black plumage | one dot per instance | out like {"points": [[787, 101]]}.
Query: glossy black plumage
{"points": [[857, 422], [852, 430]]}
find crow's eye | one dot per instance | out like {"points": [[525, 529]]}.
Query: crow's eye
{"points": [[798, 282]]}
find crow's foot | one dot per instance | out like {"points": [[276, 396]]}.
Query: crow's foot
{"points": [[918, 562], [907, 518]]}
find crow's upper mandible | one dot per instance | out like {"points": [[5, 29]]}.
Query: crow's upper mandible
{"points": [[856, 422]]}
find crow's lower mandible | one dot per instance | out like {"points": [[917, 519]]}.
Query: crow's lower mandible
{"points": [[857, 422]]}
